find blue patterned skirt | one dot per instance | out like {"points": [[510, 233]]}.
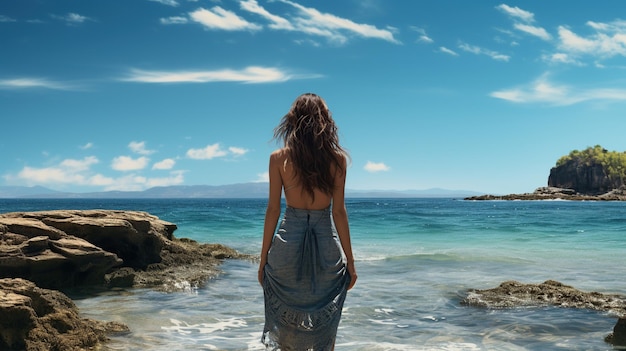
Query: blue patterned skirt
{"points": [[305, 283]]}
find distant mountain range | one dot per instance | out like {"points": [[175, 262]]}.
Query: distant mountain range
{"points": [[243, 190]]}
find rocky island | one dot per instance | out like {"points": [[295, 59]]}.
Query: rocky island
{"points": [[594, 174]]}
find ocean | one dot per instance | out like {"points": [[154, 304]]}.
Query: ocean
{"points": [[416, 259]]}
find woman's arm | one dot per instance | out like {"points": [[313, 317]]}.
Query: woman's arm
{"points": [[340, 217], [272, 213]]}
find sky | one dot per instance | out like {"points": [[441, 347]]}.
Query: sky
{"points": [[463, 95]]}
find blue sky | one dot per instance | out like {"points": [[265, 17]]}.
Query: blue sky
{"points": [[472, 95]]}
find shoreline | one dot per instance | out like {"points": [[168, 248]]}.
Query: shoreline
{"points": [[552, 193]]}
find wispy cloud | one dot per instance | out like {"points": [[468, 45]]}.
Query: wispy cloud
{"points": [[174, 20], [87, 146], [4, 18], [72, 18], [276, 22], [533, 30], [219, 18], [34, 83], [608, 41], [252, 74], [374, 167], [315, 22], [481, 51], [445, 50], [422, 36], [544, 91], [517, 13], [172, 3]]}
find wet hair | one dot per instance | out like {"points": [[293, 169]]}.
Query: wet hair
{"points": [[310, 137]]}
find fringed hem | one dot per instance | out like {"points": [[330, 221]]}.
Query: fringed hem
{"points": [[287, 328]]}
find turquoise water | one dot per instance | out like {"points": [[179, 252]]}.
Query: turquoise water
{"points": [[416, 258]]}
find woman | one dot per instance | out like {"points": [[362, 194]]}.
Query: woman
{"points": [[307, 266]]}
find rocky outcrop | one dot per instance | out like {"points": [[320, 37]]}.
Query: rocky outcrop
{"points": [[66, 248], [36, 319], [552, 193], [62, 249], [514, 294], [586, 179]]}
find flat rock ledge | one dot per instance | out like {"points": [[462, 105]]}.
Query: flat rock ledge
{"points": [[511, 294], [42, 252], [552, 193]]}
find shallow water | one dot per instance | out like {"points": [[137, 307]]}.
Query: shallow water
{"points": [[416, 258]]}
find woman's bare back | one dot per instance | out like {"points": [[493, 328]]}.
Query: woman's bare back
{"points": [[295, 195]]}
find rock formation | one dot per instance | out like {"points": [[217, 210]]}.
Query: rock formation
{"points": [[66, 248], [36, 319], [514, 294], [587, 179]]}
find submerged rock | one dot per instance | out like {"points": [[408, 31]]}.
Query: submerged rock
{"points": [[36, 319], [512, 294]]}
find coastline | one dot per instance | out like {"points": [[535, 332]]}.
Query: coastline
{"points": [[552, 193]]}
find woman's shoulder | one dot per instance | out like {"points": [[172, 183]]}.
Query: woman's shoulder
{"points": [[279, 156]]}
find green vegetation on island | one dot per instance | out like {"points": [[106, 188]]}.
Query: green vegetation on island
{"points": [[613, 162]]}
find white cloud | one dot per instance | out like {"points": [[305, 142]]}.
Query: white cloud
{"points": [[313, 22], [86, 146], [516, 12], [31, 83], [447, 51], [277, 22], [127, 163], [68, 171], [139, 147], [543, 91], [172, 3], [79, 165], [608, 41], [532, 30], [480, 51], [219, 18], [167, 163], [252, 74], [207, 153], [422, 36], [376, 167], [263, 177], [174, 20], [4, 18], [72, 18], [238, 151], [328, 25], [561, 57]]}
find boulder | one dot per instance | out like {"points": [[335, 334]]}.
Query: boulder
{"points": [[511, 294], [36, 319]]}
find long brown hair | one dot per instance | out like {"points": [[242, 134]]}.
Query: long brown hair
{"points": [[310, 137]]}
